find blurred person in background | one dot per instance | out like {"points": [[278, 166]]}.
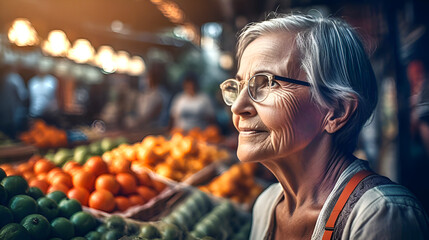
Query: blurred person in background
{"points": [[13, 101], [43, 91], [303, 90], [191, 108], [152, 104]]}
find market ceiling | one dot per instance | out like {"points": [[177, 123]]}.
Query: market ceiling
{"points": [[140, 19]]}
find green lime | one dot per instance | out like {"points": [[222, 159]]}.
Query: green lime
{"points": [[68, 207], [55, 238], [14, 185], [132, 229], [48, 208], [83, 223], [3, 195], [35, 193], [78, 238], [112, 235], [14, 231], [116, 222], [6, 216], [37, 225], [21, 206], [170, 231], [2, 174], [93, 235], [102, 228], [57, 196], [149, 231], [62, 228]]}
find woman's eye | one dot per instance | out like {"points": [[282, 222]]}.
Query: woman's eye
{"points": [[274, 84]]}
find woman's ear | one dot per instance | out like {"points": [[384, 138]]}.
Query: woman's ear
{"points": [[338, 116]]}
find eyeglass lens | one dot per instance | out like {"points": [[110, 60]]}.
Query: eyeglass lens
{"points": [[259, 87]]}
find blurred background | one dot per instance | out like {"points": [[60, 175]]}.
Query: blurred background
{"points": [[88, 67]]}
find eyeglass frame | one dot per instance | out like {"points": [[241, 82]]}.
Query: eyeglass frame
{"points": [[270, 79]]}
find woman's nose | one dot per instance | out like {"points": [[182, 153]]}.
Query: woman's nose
{"points": [[243, 105]]}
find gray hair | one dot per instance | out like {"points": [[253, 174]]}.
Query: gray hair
{"points": [[335, 62]]}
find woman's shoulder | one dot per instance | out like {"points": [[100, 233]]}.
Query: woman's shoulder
{"points": [[388, 210]]}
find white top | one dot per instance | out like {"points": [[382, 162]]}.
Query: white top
{"points": [[383, 212], [192, 111], [43, 99]]}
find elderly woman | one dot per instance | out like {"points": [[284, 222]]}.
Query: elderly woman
{"points": [[308, 90]]}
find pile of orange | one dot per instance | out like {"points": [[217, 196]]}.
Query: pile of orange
{"points": [[102, 186], [210, 134], [42, 135], [176, 158], [237, 183]]}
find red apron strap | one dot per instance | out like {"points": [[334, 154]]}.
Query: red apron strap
{"points": [[351, 185]]}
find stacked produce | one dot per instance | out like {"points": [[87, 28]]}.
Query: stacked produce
{"points": [[27, 213], [176, 158], [42, 135], [95, 184], [211, 134], [82, 153], [202, 217], [237, 183]]}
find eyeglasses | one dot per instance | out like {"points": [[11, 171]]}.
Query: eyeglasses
{"points": [[259, 86]]}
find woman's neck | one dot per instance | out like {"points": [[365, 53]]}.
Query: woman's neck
{"points": [[308, 176]]}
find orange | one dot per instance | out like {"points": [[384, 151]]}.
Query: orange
{"points": [[41, 184], [127, 182], [80, 194], [62, 177], [70, 165], [43, 176], [24, 167], [28, 175], [10, 171], [53, 172], [120, 165], [43, 166], [146, 193], [107, 182], [122, 203], [159, 186], [96, 165], [83, 178], [144, 178], [136, 199], [58, 187], [102, 200]]}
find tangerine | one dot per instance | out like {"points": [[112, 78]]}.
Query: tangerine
{"points": [[127, 182], [63, 178], [120, 165], [58, 187], [107, 182], [43, 166], [96, 165], [40, 183], [146, 192], [122, 203], [80, 194], [84, 179], [136, 199], [102, 200], [70, 165]]}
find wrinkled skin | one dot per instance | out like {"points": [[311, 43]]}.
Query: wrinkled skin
{"points": [[287, 120], [289, 134]]}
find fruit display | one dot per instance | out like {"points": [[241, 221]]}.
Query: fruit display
{"points": [[237, 184], [108, 188], [27, 213], [211, 134], [176, 158], [202, 217], [42, 135], [82, 153]]}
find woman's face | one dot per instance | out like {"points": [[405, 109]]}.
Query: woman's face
{"points": [[287, 120]]}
